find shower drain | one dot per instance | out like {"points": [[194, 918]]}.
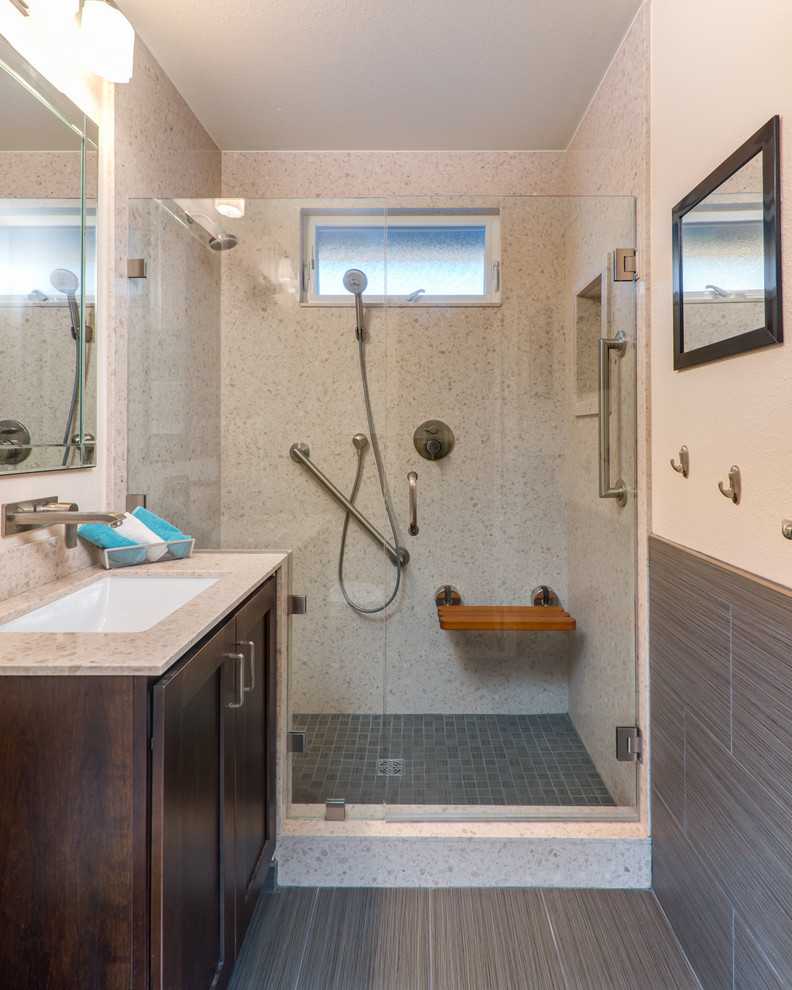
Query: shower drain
{"points": [[388, 768]]}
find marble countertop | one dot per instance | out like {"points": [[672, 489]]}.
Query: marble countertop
{"points": [[150, 652]]}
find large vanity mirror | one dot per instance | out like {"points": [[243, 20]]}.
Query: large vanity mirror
{"points": [[48, 183], [727, 256]]}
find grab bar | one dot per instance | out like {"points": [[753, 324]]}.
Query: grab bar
{"points": [[619, 346], [412, 478], [300, 453]]}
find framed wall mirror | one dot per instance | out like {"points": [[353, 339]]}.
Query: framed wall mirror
{"points": [[727, 256], [48, 188]]}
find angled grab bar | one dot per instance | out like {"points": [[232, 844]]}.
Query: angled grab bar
{"points": [[619, 489], [300, 453]]}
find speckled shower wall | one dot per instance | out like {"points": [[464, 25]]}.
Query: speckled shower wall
{"points": [[492, 516]]}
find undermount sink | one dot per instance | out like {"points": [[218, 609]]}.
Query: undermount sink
{"points": [[112, 604]]}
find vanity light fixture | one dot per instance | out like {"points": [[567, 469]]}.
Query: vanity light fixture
{"points": [[108, 41], [62, 9], [233, 208]]}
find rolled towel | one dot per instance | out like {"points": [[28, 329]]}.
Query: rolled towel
{"points": [[110, 539], [164, 530], [138, 532]]}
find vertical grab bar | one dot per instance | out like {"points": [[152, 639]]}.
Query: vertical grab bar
{"points": [[606, 345], [412, 478]]}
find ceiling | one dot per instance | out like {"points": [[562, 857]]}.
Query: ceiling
{"points": [[385, 75]]}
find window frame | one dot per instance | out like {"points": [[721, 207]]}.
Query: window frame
{"points": [[488, 218]]}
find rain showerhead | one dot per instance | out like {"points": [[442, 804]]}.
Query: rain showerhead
{"points": [[219, 238], [355, 281], [223, 241]]}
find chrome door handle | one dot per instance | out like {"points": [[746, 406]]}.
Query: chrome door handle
{"points": [[251, 647], [412, 478], [606, 345], [240, 684]]}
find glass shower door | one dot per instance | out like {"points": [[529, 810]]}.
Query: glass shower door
{"points": [[483, 723]]}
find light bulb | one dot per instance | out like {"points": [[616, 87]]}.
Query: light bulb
{"points": [[108, 41], [234, 208]]}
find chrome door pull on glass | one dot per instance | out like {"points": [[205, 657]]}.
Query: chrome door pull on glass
{"points": [[250, 646], [240, 684], [734, 491], [412, 478], [683, 467], [618, 345]]}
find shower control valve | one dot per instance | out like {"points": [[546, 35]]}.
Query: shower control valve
{"points": [[433, 439]]}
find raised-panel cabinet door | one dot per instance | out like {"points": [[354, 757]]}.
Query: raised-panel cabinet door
{"points": [[192, 824], [255, 752]]}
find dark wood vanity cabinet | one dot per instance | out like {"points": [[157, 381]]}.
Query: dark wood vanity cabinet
{"points": [[137, 816], [212, 799]]}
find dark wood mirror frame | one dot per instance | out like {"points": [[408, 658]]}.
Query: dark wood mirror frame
{"points": [[766, 143]]}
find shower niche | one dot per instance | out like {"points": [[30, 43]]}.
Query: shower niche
{"points": [[404, 720]]}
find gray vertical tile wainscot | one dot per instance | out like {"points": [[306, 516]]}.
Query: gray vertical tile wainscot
{"points": [[721, 676]]}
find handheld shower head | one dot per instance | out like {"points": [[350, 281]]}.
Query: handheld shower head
{"points": [[355, 281], [67, 282], [64, 281], [360, 440]]}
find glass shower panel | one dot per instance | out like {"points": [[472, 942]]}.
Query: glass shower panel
{"points": [[173, 409], [479, 723], [292, 376]]}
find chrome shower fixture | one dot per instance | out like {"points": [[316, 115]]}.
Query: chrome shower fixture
{"points": [[219, 238], [355, 281], [67, 282]]}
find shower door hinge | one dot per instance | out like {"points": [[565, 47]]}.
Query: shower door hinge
{"points": [[295, 742], [625, 265], [629, 743], [136, 268], [296, 605]]}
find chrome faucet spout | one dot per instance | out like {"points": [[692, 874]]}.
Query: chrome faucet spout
{"points": [[20, 517]]}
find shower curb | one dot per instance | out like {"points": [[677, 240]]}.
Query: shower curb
{"points": [[470, 861]]}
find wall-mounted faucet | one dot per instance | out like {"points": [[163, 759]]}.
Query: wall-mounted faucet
{"points": [[20, 517]]}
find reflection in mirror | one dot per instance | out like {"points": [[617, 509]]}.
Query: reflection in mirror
{"points": [[47, 274], [726, 273]]}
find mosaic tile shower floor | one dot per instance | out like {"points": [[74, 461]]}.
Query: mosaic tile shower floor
{"points": [[447, 759]]}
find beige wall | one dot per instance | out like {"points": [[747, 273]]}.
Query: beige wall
{"points": [[707, 98]]}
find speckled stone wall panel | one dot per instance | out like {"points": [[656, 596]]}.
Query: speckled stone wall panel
{"points": [[160, 150], [39, 562], [491, 515], [34, 174], [456, 173], [174, 373], [28, 333], [326, 861]]}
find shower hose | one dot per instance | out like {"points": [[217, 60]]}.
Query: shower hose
{"points": [[385, 499]]}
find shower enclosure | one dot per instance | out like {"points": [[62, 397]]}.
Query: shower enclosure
{"points": [[402, 718]]}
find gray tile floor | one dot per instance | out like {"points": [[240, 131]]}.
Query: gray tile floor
{"points": [[304, 938], [446, 759]]}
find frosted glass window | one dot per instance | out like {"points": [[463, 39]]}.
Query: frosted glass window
{"points": [[439, 259], [34, 244]]}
